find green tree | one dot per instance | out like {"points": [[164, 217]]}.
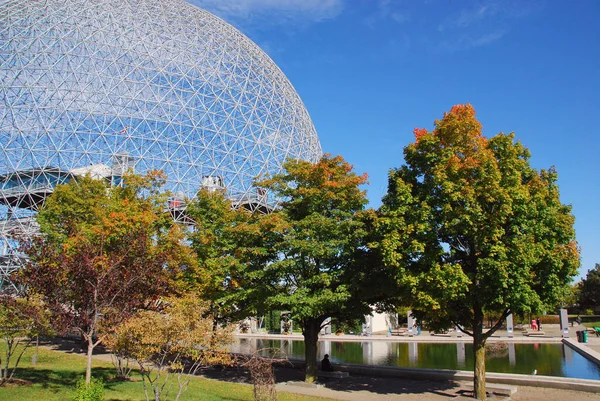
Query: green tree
{"points": [[470, 227], [589, 296], [315, 242], [103, 254], [217, 241]]}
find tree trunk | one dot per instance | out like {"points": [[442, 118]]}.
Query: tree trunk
{"points": [[2, 379], [88, 368], [9, 345], [311, 337], [91, 330], [16, 364], [479, 356], [37, 347]]}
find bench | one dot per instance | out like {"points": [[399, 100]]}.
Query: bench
{"points": [[533, 333], [335, 374], [398, 332], [498, 389], [446, 333]]}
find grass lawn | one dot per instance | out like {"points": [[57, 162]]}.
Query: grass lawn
{"points": [[54, 376]]}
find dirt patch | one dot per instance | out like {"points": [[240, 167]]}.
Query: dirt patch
{"points": [[118, 379], [18, 383]]}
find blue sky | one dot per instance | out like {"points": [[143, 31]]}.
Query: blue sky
{"points": [[369, 71]]}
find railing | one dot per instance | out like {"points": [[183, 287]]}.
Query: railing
{"points": [[25, 224], [26, 189]]}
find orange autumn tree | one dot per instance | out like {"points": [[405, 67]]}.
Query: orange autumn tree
{"points": [[103, 253], [470, 227]]}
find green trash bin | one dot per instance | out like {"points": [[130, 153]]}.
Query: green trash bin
{"points": [[584, 336]]}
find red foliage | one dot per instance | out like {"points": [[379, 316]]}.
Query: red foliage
{"points": [[419, 133], [462, 110]]}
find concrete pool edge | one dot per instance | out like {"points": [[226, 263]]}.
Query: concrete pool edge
{"points": [[404, 339], [584, 350], [563, 383]]}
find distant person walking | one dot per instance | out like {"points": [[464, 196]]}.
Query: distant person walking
{"points": [[539, 324]]}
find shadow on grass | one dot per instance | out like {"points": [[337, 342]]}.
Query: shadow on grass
{"points": [[57, 379], [65, 377]]}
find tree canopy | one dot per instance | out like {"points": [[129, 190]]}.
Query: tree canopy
{"points": [[589, 296], [218, 243], [316, 238], [470, 227]]}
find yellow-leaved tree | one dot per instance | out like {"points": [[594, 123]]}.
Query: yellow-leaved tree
{"points": [[176, 340]]}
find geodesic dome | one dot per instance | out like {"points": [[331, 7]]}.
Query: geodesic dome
{"points": [[100, 86]]}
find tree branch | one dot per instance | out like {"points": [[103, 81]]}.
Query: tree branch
{"points": [[497, 325], [462, 329], [19, 358]]}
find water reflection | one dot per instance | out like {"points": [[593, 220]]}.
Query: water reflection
{"points": [[547, 359], [460, 356], [512, 359]]}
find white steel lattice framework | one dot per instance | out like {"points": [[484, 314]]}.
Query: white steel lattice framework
{"points": [[104, 85]]}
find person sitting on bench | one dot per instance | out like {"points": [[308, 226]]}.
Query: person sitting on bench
{"points": [[326, 365]]}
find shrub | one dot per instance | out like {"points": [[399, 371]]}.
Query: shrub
{"points": [[549, 319], [273, 321], [353, 326], [89, 392], [21, 321], [244, 326], [176, 341]]}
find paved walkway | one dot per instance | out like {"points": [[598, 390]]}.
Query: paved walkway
{"points": [[593, 342], [380, 389]]}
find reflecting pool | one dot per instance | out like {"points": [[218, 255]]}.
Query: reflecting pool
{"points": [[547, 359]]}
